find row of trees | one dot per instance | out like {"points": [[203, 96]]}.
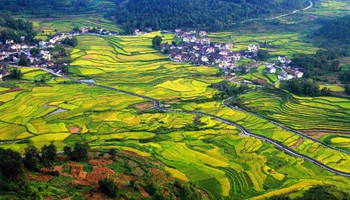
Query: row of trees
{"points": [[305, 87], [215, 15], [321, 63], [228, 90]]}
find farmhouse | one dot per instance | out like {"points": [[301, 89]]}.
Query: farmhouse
{"points": [[299, 74], [85, 30], [253, 47], [282, 59], [271, 70]]}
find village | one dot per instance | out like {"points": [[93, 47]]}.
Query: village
{"points": [[39, 54], [196, 48]]}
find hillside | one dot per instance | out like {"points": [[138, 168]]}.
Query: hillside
{"points": [[215, 15], [14, 29], [338, 29], [47, 8]]}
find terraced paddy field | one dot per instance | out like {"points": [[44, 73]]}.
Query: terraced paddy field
{"points": [[330, 8], [322, 118], [279, 43], [113, 60], [211, 154], [322, 113]]}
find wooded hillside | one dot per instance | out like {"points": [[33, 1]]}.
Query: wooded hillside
{"points": [[215, 15]]}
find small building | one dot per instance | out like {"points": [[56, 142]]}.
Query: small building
{"points": [[271, 70], [177, 57], [85, 29], [9, 42], [206, 41], [202, 33], [282, 59], [229, 46], [253, 47], [299, 74], [204, 59], [223, 52]]}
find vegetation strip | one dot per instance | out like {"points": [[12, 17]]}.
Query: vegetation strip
{"points": [[245, 131]]}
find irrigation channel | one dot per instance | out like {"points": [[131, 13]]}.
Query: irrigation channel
{"points": [[158, 106]]}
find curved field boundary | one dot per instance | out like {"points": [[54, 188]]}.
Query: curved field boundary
{"points": [[245, 131], [224, 102]]}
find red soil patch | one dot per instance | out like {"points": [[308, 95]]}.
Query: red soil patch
{"points": [[40, 177], [143, 191], [76, 169], [93, 178], [260, 81], [144, 106], [156, 163], [11, 90], [138, 171], [158, 175], [100, 162], [205, 194], [132, 163], [58, 168], [59, 157], [300, 140], [102, 170], [96, 196], [73, 129], [80, 182], [126, 178], [82, 175]]}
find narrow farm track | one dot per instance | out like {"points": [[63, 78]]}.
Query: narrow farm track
{"points": [[225, 103], [279, 16], [245, 131]]}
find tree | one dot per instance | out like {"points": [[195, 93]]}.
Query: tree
{"points": [[67, 150], [345, 77], [112, 152], [30, 152], [11, 166], [263, 54], [217, 26], [80, 151], [48, 152], [15, 73], [347, 89], [108, 187], [23, 61], [128, 28], [34, 51], [156, 41]]}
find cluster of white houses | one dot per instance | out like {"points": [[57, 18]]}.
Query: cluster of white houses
{"points": [[197, 49], [11, 51], [286, 72]]}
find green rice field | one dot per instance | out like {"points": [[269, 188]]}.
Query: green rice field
{"points": [[212, 155]]}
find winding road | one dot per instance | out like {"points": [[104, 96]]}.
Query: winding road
{"points": [[157, 105], [225, 103], [279, 16]]}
